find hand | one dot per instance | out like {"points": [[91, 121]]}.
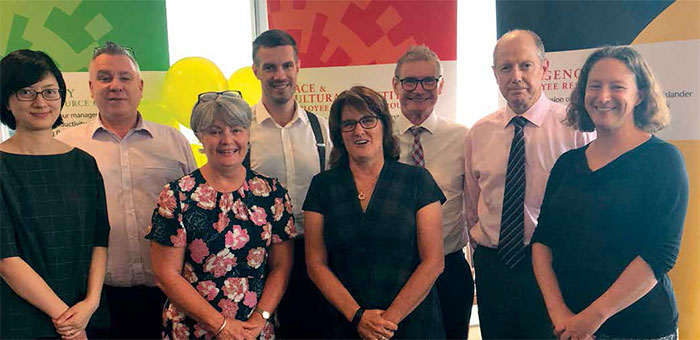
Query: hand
{"points": [[254, 325], [374, 326], [81, 336], [74, 320], [582, 326], [234, 330], [560, 319]]}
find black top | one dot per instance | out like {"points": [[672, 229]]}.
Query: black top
{"points": [[52, 213], [597, 222], [374, 253]]}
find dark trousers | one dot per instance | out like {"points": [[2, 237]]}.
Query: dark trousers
{"points": [[303, 308], [135, 312], [455, 288], [510, 302]]}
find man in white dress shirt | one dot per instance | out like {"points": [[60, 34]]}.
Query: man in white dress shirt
{"points": [[285, 144], [136, 159], [437, 144], [510, 303]]}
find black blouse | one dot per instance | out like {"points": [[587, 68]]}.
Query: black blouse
{"points": [[373, 253], [597, 222], [52, 213]]}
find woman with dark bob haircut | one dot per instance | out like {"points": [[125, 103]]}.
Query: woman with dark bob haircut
{"points": [[373, 229], [613, 211], [53, 214], [27, 68]]}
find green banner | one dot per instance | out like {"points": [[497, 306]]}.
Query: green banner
{"points": [[69, 30]]}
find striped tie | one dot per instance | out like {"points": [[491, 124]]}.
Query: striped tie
{"points": [[417, 147], [510, 243]]}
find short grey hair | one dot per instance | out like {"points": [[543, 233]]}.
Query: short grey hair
{"points": [[539, 45], [113, 48], [418, 53], [232, 111]]}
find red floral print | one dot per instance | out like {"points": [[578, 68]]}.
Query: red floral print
{"points": [[226, 202], [259, 187], [220, 263], [180, 331], [208, 289], [236, 238], [166, 203], [186, 183], [228, 308], [255, 257], [205, 196], [198, 250], [240, 210], [235, 288], [180, 239], [258, 215], [188, 273], [278, 209], [222, 222], [251, 299]]}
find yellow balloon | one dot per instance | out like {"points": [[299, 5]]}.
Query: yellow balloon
{"points": [[185, 80], [199, 157], [244, 80], [157, 112]]}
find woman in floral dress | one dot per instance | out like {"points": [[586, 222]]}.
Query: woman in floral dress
{"points": [[221, 250]]}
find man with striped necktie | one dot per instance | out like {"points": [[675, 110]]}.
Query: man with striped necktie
{"points": [[437, 144], [508, 156]]}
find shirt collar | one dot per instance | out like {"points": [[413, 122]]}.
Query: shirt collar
{"points": [[534, 115], [261, 114], [96, 125], [429, 124]]}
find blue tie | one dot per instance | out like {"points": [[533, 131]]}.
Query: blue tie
{"points": [[510, 243]]}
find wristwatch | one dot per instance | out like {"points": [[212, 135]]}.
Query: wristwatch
{"points": [[265, 314]]}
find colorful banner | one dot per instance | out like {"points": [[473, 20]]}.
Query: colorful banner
{"points": [[69, 31], [346, 43], [667, 34]]}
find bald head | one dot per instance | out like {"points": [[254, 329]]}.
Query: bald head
{"points": [[519, 66], [518, 33]]}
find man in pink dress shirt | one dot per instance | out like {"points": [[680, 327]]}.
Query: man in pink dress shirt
{"points": [[510, 303], [136, 159]]}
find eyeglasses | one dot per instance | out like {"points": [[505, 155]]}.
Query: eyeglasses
{"points": [[27, 95], [428, 83], [209, 96], [367, 122]]}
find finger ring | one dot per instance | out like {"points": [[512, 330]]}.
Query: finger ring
{"points": [[71, 332]]}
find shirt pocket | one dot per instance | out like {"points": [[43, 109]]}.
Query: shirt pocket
{"points": [[157, 176]]}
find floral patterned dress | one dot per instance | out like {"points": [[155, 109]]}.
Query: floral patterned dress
{"points": [[226, 237]]}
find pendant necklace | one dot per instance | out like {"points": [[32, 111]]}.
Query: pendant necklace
{"points": [[361, 195]]}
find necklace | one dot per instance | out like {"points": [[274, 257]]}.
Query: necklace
{"points": [[361, 195]]}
